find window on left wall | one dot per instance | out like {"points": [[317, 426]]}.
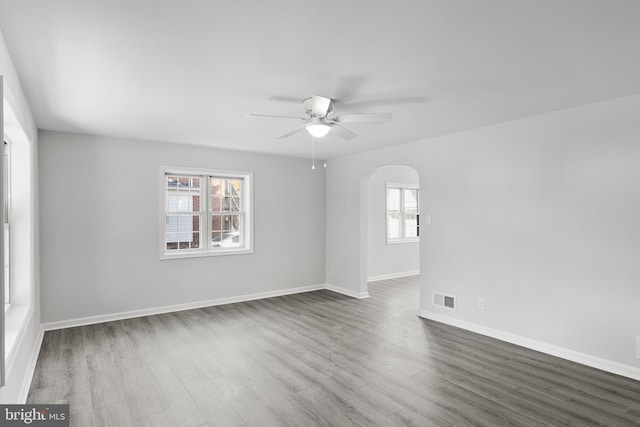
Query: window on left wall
{"points": [[7, 234], [18, 233], [205, 213]]}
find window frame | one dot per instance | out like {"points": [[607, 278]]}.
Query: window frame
{"points": [[6, 169], [17, 322], [401, 212], [205, 212]]}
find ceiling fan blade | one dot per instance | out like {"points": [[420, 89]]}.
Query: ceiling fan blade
{"points": [[363, 118], [320, 106], [342, 132], [385, 101], [279, 117], [292, 132], [285, 99]]}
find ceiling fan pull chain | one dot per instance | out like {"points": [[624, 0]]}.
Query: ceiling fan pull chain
{"points": [[324, 163], [313, 152]]}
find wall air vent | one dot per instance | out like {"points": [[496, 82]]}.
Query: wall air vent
{"points": [[445, 301]]}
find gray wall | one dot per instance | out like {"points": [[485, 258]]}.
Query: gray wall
{"points": [[100, 227], [385, 260], [539, 216]]}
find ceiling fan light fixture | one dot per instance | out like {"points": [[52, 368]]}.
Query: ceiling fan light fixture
{"points": [[320, 119], [317, 128]]}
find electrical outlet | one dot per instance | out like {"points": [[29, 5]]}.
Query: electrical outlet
{"points": [[482, 304]]}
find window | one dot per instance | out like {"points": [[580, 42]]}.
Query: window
{"points": [[18, 236], [7, 246], [205, 213], [402, 213]]}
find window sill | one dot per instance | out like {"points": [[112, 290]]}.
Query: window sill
{"points": [[399, 241], [201, 254], [15, 321]]}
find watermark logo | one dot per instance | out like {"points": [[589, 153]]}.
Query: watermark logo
{"points": [[34, 415]]}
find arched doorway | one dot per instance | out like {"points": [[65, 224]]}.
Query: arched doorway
{"points": [[389, 246]]}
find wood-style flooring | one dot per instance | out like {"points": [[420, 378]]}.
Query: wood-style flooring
{"points": [[317, 358]]}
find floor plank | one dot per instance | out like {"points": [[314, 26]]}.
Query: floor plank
{"points": [[317, 358]]}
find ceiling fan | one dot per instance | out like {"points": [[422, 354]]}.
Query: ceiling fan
{"points": [[321, 119]]}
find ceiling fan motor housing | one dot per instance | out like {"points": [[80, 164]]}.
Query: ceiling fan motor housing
{"points": [[320, 119], [318, 106]]}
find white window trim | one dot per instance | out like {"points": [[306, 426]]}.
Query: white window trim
{"points": [[402, 187], [21, 311], [207, 251], [7, 225]]}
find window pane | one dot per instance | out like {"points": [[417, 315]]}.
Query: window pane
{"points": [[393, 226], [171, 227], [226, 212], [226, 223], [393, 199], [182, 202], [234, 204], [235, 187], [183, 194], [172, 202], [184, 228], [182, 231], [216, 187], [185, 202], [226, 195], [226, 183], [230, 222], [411, 225], [7, 275], [216, 222], [227, 231], [7, 236], [411, 201], [216, 204]]}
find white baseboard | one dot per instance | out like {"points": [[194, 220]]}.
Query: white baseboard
{"points": [[347, 292], [393, 275], [554, 350], [49, 326], [31, 369]]}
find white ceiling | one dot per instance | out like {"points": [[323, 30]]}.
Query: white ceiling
{"points": [[190, 71]]}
